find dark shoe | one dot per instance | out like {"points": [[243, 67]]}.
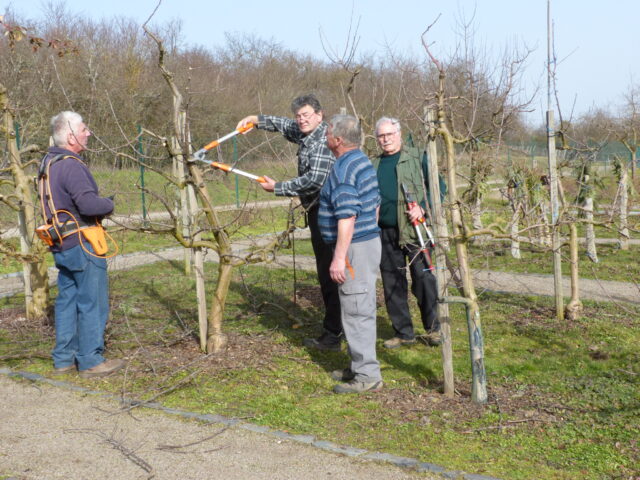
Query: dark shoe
{"points": [[64, 370], [105, 368], [326, 341], [344, 375], [432, 339], [358, 387], [397, 342]]}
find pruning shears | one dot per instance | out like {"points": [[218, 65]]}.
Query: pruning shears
{"points": [[200, 154], [421, 221]]}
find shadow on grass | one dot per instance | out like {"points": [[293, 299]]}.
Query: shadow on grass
{"points": [[259, 300], [271, 317]]}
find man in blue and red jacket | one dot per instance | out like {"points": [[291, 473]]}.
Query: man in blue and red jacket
{"points": [[82, 304]]}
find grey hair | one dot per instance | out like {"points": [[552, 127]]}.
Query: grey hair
{"points": [[348, 128], [62, 124], [309, 99], [393, 121]]}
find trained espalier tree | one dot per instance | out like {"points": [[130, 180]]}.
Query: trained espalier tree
{"points": [[19, 183], [527, 197], [206, 229], [588, 182], [460, 240], [22, 200], [468, 115], [621, 203]]}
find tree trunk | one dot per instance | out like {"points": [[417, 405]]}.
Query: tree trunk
{"points": [[197, 255], [515, 239], [216, 339], [476, 343], [574, 307], [36, 277], [590, 234], [624, 208], [442, 246], [544, 231], [476, 218]]}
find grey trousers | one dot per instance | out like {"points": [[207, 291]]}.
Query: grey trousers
{"points": [[358, 307]]}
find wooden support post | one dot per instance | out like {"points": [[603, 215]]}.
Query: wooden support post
{"points": [[439, 223]]}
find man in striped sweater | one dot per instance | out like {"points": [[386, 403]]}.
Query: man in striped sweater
{"points": [[349, 202]]}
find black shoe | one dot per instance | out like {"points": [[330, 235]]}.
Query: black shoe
{"points": [[358, 387], [326, 341]]}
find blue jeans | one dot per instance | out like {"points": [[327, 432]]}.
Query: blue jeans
{"points": [[81, 309]]}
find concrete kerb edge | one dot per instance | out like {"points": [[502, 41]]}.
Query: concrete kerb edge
{"points": [[402, 462]]}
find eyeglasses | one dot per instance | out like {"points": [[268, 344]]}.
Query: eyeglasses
{"points": [[382, 136], [305, 115]]}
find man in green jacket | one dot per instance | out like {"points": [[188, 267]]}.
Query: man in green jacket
{"points": [[406, 165]]}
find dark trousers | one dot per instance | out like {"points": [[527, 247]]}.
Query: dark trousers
{"points": [[329, 289], [394, 281]]}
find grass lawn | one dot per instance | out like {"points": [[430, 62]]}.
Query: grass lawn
{"points": [[564, 399], [613, 263]]}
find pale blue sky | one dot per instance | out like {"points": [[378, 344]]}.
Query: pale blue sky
{"points": [[599, 41]]}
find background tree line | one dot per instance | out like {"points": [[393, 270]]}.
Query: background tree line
{"points": [[110, 76]]}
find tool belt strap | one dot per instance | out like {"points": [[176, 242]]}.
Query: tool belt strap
{"points": [[70, 227]]}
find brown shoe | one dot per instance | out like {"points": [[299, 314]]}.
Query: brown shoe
{"points": [[431, 339], [397, 342], [105, 368], [64, 370]]}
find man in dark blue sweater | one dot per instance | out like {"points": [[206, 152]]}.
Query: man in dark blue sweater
{"points": [[349, 202], [71, 200]]}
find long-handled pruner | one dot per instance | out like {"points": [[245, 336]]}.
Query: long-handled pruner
{"points": [[199, 155], [416, 224], [237, 171]]}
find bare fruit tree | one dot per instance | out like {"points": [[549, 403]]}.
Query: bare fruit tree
{"points": [[16, 176], [473, 109], [23, 202], [208, 231]]}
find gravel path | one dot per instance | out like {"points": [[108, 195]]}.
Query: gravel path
{"points": [[48, 433]]}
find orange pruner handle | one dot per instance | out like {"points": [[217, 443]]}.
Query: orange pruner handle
{"points": [[217, 142], [228, 168], [246, 128], [221, 166]]}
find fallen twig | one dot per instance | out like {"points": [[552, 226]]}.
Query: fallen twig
{"points": [[178, 448], [127, 452], [508, 423], [136, 404]]}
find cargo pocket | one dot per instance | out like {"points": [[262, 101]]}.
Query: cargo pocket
{"points": [[354, 298]]}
